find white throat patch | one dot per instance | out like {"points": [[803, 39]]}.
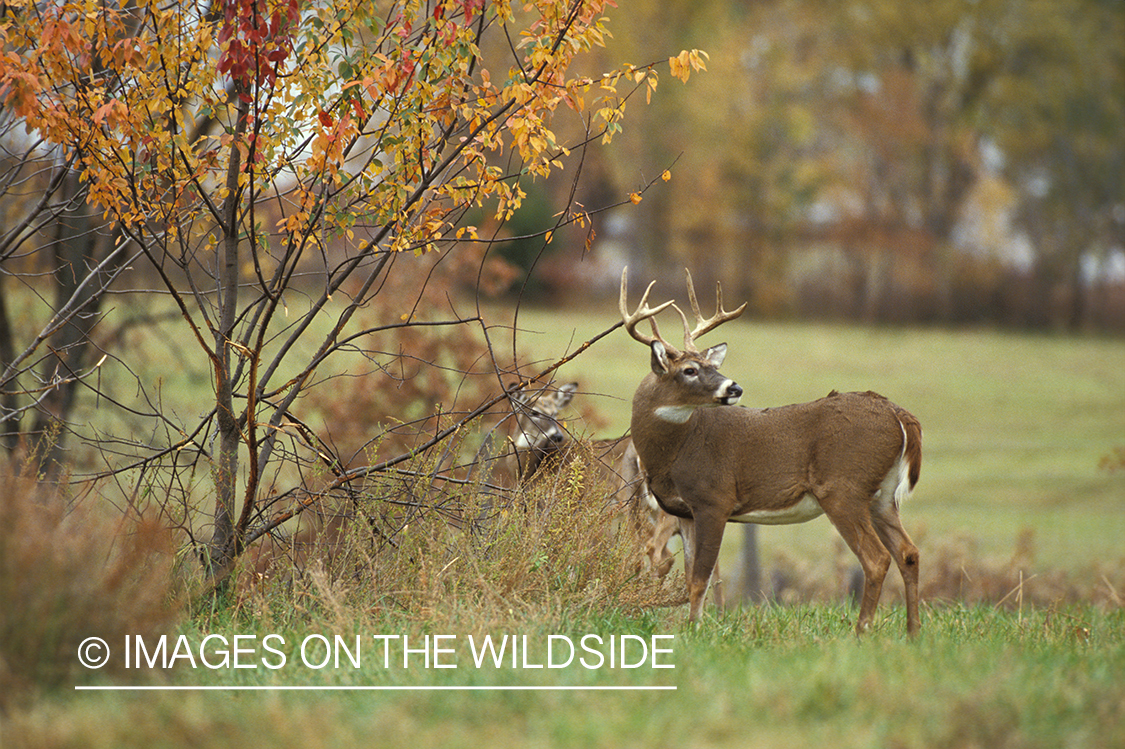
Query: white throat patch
{"points": [[674, 414]]}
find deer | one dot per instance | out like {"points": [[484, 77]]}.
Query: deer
{"points": [[542, 447], [656, 527], [538, 431], [854, 457]]}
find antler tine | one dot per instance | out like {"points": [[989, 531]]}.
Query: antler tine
{"points": [[643, 312], [705, 325]]}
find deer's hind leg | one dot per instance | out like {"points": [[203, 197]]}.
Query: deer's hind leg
{"points": [[852, 520], [656, 548], [894, 537]]}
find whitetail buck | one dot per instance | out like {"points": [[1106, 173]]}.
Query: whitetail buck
{"points": [[851, 456], [548, 449], [539, 444], [657, 527]]}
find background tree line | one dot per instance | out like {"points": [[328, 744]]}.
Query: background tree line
{"points": [[945, 162]]}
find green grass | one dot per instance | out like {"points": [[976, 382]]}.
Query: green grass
{"points": [[775, 677], [1014, 424]]}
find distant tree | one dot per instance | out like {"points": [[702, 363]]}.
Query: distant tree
{"points": [[1039, 83], [50, 232], [867, 127]]}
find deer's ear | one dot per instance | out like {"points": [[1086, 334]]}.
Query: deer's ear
{"points": [[660, 361], [517, 397], [566, 393], [716, 354]]}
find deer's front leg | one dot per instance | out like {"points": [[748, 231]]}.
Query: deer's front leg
{"points": [[702, 538]]}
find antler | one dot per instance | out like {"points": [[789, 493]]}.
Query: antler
{"points": [[644, 312], [704, 325]]}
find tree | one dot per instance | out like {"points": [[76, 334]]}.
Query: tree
{"points": [[846, 142], [1060, 115], [267, 158], [51, 231]]}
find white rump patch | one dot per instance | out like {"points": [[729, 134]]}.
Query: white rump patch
{"points": [[896, 484], [806, 508]]}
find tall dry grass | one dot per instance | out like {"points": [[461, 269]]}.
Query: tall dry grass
{"points": [[71, 573], [954, 570], [414, 546], [433, 551]]}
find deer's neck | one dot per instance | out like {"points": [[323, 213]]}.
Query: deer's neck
{"points": [[659, 429]]}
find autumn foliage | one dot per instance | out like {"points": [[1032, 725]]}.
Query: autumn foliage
{"points": [[257, 40], [344, 100], [255, 155]]}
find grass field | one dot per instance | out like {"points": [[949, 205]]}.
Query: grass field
{"points": [[781, 677], [1015, 426]]}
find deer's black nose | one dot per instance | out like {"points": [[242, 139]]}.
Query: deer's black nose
{"points": [[731, 395], [557, 437]]}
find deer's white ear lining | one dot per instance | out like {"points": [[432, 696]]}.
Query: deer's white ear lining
{"points": [[660, 362], [716, 354]]}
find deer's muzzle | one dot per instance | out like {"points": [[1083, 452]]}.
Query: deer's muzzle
{"points": [[729, 393]]}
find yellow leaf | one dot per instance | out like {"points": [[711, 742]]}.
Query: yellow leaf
{"points": [[674, 64], [635, 197], [666, 176]]}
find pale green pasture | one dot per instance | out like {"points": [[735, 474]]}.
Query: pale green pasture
{"points": [[1014, 424], [1014, 428], [764, 678]]}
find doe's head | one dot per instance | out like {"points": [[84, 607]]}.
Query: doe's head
{"points": [[537, 416]]}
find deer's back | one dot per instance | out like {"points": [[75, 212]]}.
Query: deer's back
{"points": [[771, 457]]}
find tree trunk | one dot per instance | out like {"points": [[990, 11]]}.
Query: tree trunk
{"points": [[222, 549], [82, 242], [9, 401]]}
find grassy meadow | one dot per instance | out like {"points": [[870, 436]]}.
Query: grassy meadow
{"points": [[778, 677], [1015, 426]]}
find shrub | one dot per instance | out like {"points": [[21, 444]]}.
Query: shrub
{"points": [[445, 552], [68, 574]]}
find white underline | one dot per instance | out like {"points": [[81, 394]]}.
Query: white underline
{"points": [[330, 688]]}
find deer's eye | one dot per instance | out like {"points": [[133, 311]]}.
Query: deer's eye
{"points": [[691, 371]]}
